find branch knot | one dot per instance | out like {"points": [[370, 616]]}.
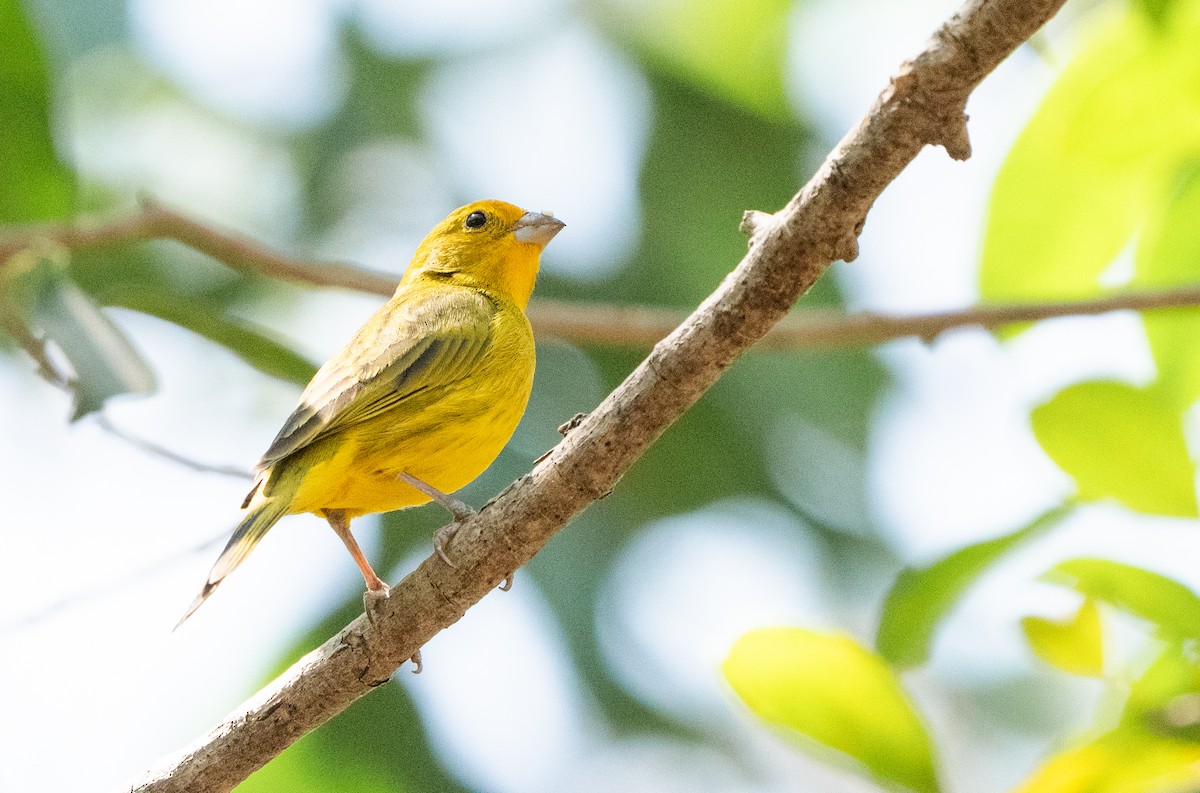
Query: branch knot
{"points": [[756, 224]]}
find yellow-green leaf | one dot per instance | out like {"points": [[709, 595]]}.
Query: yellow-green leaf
{"points": [[1120, 762], [1121, 442], [1168, 604], [1075, 645], [1097, 155], [828, 689]]}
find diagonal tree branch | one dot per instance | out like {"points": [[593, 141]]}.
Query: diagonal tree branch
{"points": [[581, 323], [923, 104]]}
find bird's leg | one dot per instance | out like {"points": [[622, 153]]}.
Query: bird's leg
{"points": [[376, 589], [459, 510]]}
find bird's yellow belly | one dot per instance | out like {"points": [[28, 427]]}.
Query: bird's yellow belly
{"points": [[446, 444]]}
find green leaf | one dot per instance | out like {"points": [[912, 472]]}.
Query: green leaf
{"points": [[104, 363], [829, 689], [34, 185], [1075, 645], [735, 51], [1121, 442], [1099, 152], [253, 345], [1170, 605], [1169, 255], [921, 597]]}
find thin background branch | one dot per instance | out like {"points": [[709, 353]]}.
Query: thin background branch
{"points": [[156, 450], [923, 104], [108, 586], [580, 323]]}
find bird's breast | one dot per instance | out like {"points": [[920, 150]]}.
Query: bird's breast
{"points": [[445, 436]]}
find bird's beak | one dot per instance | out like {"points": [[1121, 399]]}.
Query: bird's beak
{"points": [[537, 227]]}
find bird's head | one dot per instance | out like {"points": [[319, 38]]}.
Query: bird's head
{"points": [[491, 244]]}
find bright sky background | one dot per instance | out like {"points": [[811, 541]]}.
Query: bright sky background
{"points": [[952, 455]]}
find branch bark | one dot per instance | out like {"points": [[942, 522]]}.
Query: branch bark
{"points": [[924, 104]]}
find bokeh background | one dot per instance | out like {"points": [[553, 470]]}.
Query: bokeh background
{"points": [[792, 494]]}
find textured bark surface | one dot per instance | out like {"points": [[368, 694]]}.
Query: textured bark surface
{"points": [[923, 104]]}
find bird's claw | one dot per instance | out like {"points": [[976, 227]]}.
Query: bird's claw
{"points": [[441, 537], [416, 659], [373, 600], [506, 584]]}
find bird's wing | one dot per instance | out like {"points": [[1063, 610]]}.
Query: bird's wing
{"points": [[411, 345]]}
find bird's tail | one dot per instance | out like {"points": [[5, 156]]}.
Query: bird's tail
{"points": [[261, 517]]}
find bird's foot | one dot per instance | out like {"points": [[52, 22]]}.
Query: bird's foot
{"points": [[373, 602], [417, 665], [443, 536], [458, 509], [506, 584]]}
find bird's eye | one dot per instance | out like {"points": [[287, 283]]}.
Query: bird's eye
{"points": [[476, 220]]}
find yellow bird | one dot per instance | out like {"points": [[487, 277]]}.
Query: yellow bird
{"points": [[423, 397]]}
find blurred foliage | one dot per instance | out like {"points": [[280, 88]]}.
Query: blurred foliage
{"points": [[1112, 153], [1166, 256], [1154, 745], [1170, 606], [34, 185], [1074, 645], [921, 597], [1097, 160], [1109, 164], [36, 292], [255, 346], [1107, 168], [829, 689], [1110, 157], [1119, 763], [1133, 449], [736, 51]]}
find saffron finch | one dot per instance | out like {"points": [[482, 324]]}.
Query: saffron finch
{"points": [[422, 398]]}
